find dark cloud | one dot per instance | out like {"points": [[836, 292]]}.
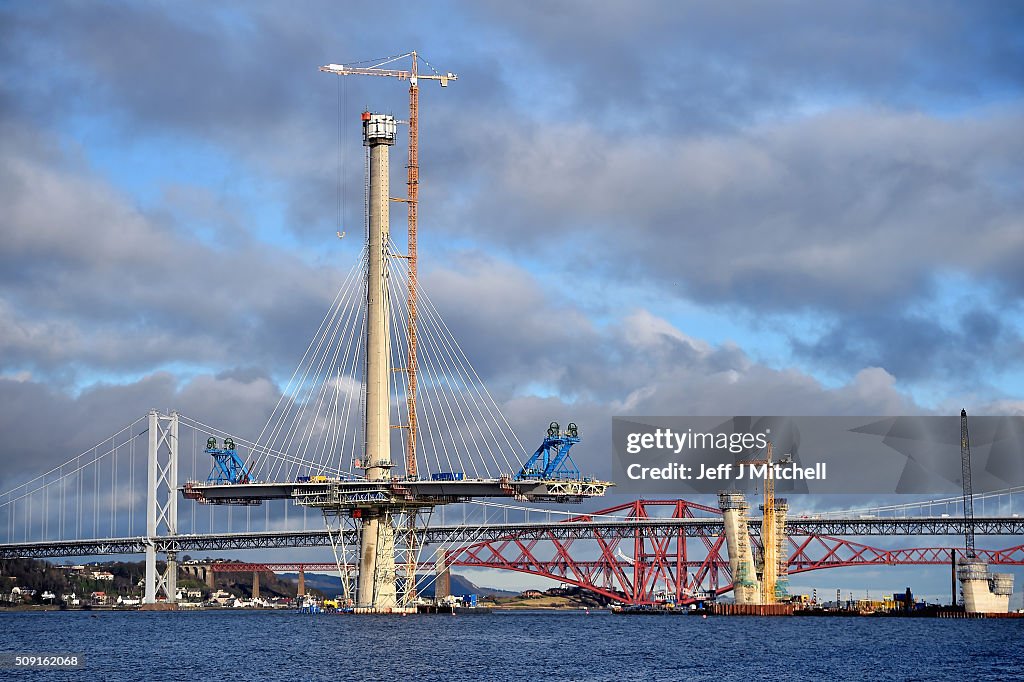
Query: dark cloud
{"points": [[696, 65], [92, 281], [503, 319], [959, 346], [787, 215], [778, 204], [242, 83], [43, 427], [638, 364]]}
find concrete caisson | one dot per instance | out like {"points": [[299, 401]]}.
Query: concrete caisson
{"points": [[984, 592]]}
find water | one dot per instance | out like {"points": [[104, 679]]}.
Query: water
{"points": [[268, 645]]}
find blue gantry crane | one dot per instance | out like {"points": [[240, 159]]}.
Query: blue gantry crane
{"points": [[552, 460], [228, 467]]}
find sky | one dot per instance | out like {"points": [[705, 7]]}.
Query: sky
{"points": [[626, 208]]}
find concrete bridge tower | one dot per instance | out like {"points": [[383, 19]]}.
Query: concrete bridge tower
{"points": [[377, 588]]}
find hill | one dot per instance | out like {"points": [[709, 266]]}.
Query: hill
{"points": [[124, 580], [331, 585]]}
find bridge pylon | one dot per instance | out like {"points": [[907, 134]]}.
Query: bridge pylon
{"points": [[161, 504]]}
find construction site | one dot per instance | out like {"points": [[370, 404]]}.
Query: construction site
{"points": [[386, 506], [504, 341], [385, 423]]}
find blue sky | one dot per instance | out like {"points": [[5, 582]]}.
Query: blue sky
{"points": [[678, 207]]}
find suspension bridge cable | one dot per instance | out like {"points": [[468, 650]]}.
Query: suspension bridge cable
{"points": [[321, 380], [440, 377], [460, 371], [254, 447], [75, 458]]}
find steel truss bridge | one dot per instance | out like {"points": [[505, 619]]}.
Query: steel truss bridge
{"points": [[663, 556], [618, 530], [674, 546]]}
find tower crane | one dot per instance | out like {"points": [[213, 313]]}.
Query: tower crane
{"points": [[412, 199], [771, 584]]}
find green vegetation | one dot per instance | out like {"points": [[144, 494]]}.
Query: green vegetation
{"points": [[42, 576], [31, 575]]}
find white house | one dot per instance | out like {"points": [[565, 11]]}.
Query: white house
{"points": [[221, 597]]}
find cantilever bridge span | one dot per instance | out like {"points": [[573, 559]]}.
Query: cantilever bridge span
{"points": [[685, 556]]}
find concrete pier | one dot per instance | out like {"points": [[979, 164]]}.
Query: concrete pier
{"points": [[984, 592], [442, 583], [735, 512]]}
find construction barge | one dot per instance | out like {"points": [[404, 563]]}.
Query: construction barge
{"points": [[453, 610], [948, 612], [711, 609]]}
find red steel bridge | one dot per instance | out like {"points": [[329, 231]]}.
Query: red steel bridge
{"points": [[667, 561]]}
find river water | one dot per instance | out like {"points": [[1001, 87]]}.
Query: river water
{"points": [[271, 645]]}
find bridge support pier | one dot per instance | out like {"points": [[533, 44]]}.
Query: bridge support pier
{"points": [[984, 592], [442, 583], [161, 504], [746, 587], [255, 585], [377, 575]]}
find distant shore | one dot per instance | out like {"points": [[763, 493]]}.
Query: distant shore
{"points": [[494, 607]]}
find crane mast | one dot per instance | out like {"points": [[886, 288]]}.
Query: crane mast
{"points": [[965, 462], [769, 534], [412, 203], [769, 542]]}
